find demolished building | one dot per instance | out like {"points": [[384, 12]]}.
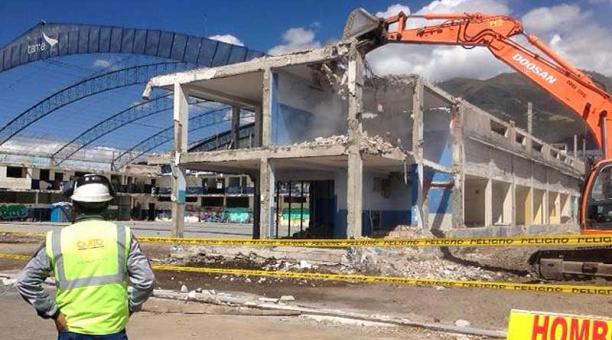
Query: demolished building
{"points": [[377, 152]]}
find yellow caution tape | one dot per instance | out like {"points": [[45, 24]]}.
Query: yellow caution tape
{"points": [[15, 257], [544, 288], [526, 325], [22, 232], [541, 288], [564, 240], [567, 240]]}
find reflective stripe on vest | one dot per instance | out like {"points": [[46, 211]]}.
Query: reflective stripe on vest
{"points": [[63, 283]]}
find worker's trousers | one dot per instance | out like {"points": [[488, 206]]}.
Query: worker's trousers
{"points": [[76, 336]]}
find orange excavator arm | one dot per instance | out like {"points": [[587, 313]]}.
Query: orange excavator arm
{"points": [[547, 69]]}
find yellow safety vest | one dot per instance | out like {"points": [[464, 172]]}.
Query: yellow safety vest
{"points": [[89, 261]]}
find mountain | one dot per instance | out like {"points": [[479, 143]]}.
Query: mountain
{"points": [[506, 96]]}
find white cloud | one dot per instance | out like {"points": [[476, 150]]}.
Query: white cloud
{"points": [[296, 39], [227, 38], [393, 10], [545, 19], [435, 63], [568, 29], [460, 6], [102, 63], [438, 62]]}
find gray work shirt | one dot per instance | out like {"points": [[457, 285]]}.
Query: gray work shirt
{"points": [[29, 282]]}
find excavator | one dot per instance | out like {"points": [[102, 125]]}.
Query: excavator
{"points": [[549, 71]]}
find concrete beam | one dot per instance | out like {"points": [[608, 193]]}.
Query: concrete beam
{"points": [[280, 152], [354, 195], [320, 55]]}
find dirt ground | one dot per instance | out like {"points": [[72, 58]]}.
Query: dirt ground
{"points": [[483, 308], [23, 324]]}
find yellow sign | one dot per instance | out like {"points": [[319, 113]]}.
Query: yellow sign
{"points": [[526, 325]]}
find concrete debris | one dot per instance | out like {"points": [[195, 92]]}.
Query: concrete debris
{"points": [[427, 263], [241, 300], [8, 282], [287, 298], [462, 323], [347, 321], [305, 265], [372, 144], [184, 289]]}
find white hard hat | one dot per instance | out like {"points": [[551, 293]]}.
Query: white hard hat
{"points": [[92, 189]]}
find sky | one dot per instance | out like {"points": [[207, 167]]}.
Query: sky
{"points": [[581, 31]]}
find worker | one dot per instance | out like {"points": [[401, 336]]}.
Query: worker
{"points": [[91, 261]]}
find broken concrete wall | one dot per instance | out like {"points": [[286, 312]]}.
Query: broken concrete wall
{"points": [[387, 109], [303, 111]]}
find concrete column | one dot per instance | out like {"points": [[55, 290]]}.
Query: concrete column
{"points": [[488, 201], [546, 201], [180, 118], [529, 126], [576, 146], [266, 186], [458, 219], [258, 120], [235, 126], [266, 109], [530, 207], [512, 132], [354, 194], [419, 210]]}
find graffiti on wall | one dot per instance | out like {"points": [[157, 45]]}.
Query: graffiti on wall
{"points": [[13, 211]]}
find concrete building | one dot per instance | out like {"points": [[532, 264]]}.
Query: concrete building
{"points": [[377, 152], [35, 188]]}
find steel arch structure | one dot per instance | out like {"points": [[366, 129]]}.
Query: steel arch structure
{"points": [[196, 122], [85, 88], [222, 139], [100, 129], [49, 40], [127, 116]]}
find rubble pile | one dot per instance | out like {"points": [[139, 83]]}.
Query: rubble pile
{"points": [[373, 144], [429, 263]]}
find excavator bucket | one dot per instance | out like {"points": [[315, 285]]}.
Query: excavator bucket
{"points": [[360, 23]]}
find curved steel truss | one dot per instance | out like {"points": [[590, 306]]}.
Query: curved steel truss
{"points": [[101, 129], [86, 88], [222, 139], [196, 122], [48, 40]]}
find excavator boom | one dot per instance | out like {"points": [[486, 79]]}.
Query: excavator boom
{"points": [[543, 66], [548, 70]]}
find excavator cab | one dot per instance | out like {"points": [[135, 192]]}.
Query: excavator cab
{"points": [[596, 207]]}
